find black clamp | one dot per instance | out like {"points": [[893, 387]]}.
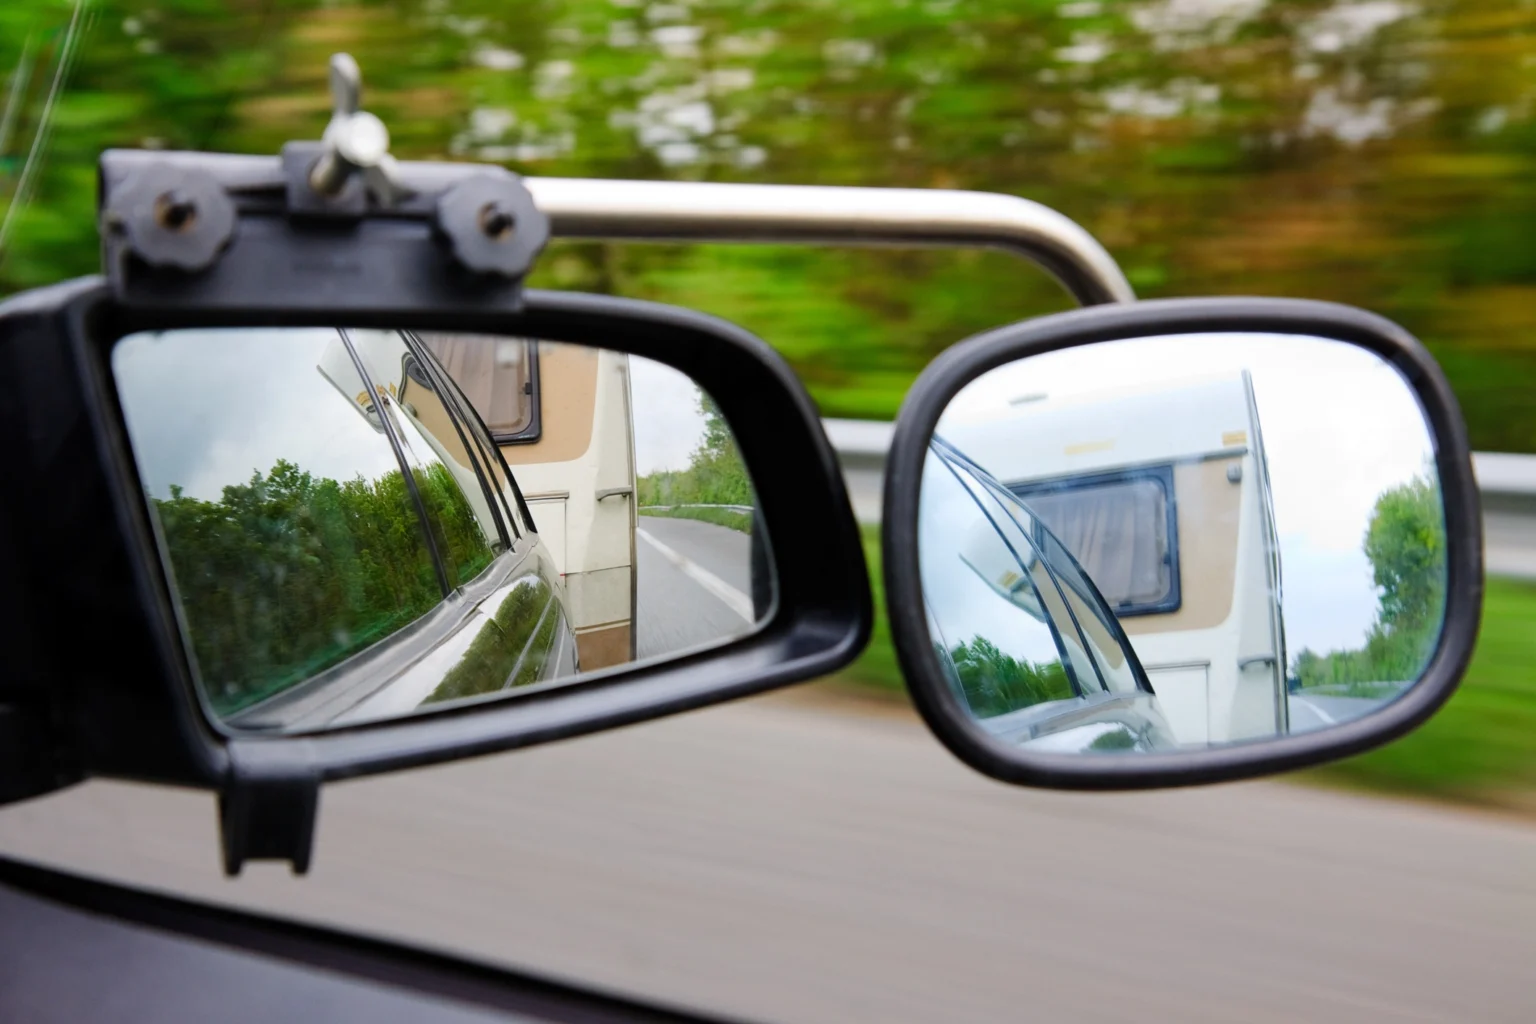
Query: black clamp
{"points": [[492, 226], [171, 218], [197, 228]]}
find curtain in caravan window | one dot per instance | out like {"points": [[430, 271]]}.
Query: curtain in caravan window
{"points": [[1118, 531], [494, 373]]}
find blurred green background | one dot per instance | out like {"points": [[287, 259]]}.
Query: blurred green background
{"points": [[1376, 152]]}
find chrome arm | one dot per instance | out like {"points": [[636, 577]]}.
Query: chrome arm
{"points": [[832, 215]]}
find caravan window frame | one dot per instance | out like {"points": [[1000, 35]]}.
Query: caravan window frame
{"points": [[520, 519], [534, 431], [535, 428], [1162, 474], [441, 385]]}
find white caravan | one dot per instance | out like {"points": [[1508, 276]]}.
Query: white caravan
{"points": [[563, 418], [1162, 494]]}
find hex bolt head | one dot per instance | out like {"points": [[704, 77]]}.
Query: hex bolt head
{"points": [[175, 210], [171, 216], [491, 225], [497, 223]]}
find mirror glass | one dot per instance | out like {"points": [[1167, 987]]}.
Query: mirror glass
{"points": [[356, 524], [1174, 543]]}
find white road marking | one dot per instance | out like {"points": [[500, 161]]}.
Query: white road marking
{"points": [[732, 598], [1319, 712]]}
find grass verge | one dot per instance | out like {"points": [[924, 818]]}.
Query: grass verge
{"points": [[876, 670], [1481, 747], [739, 521]]}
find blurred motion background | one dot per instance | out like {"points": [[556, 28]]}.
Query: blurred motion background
{"points": [[1374, 152]]}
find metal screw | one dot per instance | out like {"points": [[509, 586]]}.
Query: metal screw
{"points": [[328, 174], [175, 211], [495, 222]]}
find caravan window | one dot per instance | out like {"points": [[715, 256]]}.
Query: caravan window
{"points": [[1122, 529], [499, 376]]}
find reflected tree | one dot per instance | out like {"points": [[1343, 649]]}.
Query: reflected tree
{"points": [[716, 475], [288, 574], [510, 650], [1405, 543], [996, 683]]}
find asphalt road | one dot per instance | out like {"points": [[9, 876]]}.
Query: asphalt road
{"points": [[1310, 712], [780, 859], [692, 585]]}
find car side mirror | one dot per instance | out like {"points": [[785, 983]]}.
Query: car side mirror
{"points": [[1180, 542], [311, 491]]}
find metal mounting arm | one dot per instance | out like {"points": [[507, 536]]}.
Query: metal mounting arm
{"points": [[834, 215]]}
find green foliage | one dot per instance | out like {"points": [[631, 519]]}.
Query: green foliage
{"points": [[876, 668], [287, 575], [456, 530], [1120, 739], [716, 474], [1396, 162], [729, 518], [996, 683], [1405, 543]]}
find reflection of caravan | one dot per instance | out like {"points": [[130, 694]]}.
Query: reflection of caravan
{"points": [[562, 416], [1163, 495]]}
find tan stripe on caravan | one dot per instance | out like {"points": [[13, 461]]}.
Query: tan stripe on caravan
{"points": [[1208, 509], [567, 400]]}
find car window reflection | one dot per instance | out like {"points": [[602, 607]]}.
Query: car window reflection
{"points": [[457, 511], [290, 533]]}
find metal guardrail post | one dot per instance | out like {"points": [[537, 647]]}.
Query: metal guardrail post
{"points": [[1508, 486]]}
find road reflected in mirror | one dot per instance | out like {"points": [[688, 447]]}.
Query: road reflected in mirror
{"points": [[1175, 543], [359, 524]]}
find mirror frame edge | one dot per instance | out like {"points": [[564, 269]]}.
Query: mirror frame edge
{"points": [[963, 362]]}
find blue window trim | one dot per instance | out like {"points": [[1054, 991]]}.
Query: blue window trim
{"points": [[1163, 476]]}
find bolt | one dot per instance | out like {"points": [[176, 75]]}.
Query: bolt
{"points": [[175, 211], [495, 222], [328, 174]]}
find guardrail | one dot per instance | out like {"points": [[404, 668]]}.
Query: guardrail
{"points": [[1508, 485], [1507, 482]]}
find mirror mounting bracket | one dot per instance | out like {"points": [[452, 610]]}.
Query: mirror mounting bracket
{"points": [[267, 806], [334, 224], [355, 145]]}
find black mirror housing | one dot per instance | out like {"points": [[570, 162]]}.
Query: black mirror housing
{"points": [[1058, 431], [98, 681]]}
